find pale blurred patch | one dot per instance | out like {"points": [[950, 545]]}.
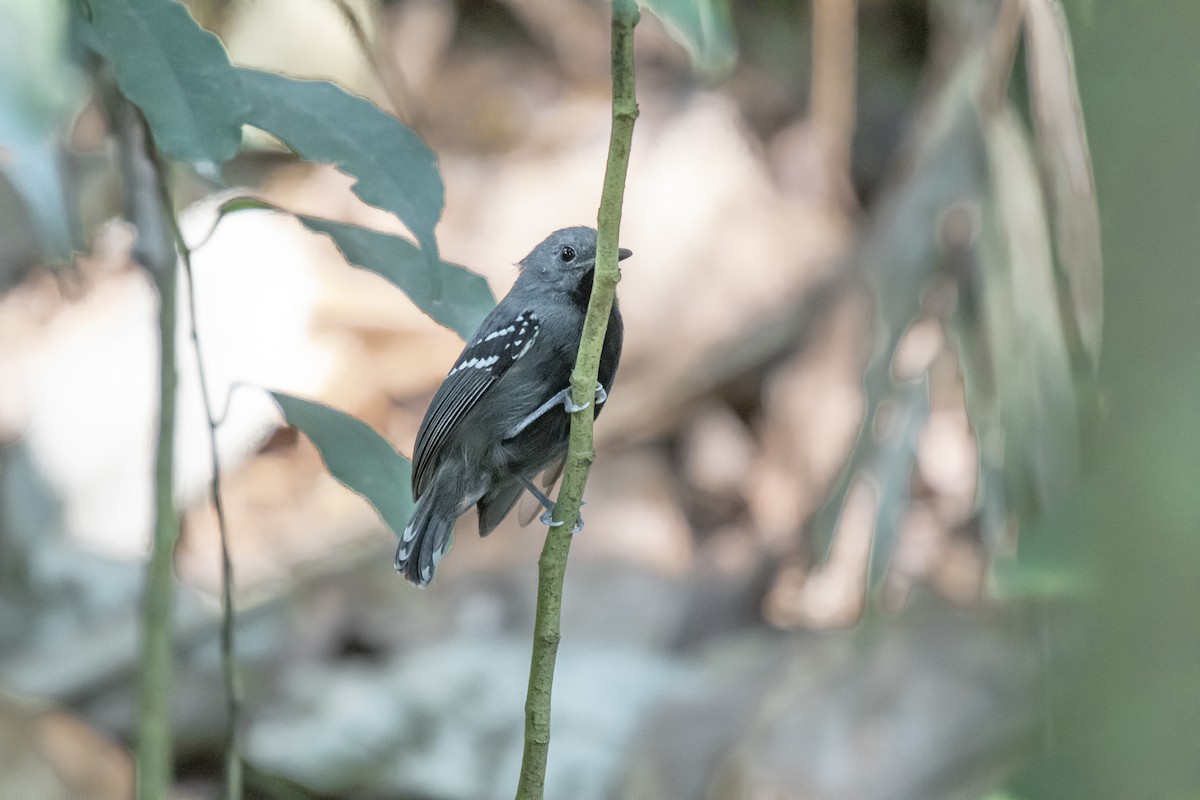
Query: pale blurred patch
{"points": [[834, 595], [52, 755], [80, 368]]}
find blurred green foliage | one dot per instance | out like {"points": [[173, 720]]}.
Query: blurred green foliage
{"points": [[1129, 721], [1002, 219], [704, 29], [37, 87]]}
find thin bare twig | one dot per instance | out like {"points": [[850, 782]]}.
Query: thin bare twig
{"points": [[233, 701], [835, 38], [391, 78]]}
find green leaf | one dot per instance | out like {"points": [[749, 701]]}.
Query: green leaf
{"points": [[1066, 164], [392, 167], [177, 73], [1039, 436], [704, 29], [245, 203], [358, 457], [466, 299], [37, 88]]}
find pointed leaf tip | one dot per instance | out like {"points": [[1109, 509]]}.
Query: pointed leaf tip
{"points": [[356, 456]]}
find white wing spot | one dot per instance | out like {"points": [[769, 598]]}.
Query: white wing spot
{"points": [[475, 363], [499, 333], [528, 345]]}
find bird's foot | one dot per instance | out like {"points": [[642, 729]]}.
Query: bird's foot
{"points": [[547, 517], [563, 398]]}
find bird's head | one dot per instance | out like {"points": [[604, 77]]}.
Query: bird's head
{"points": [[565, 259]]}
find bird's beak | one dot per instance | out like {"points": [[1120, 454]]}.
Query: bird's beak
{"points": [[623, 254]]}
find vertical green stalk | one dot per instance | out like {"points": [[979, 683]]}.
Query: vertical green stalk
{"points": [[155, 253], [234, 773], [154, 757], [553, 563]]}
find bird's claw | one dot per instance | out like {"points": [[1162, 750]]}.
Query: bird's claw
{"points": [[547, 518], [600, 396]]}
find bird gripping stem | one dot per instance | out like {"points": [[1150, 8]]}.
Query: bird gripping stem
{"points": [[553, 562]]}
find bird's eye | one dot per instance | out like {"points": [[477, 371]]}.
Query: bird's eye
{"points": [[567, 254]]}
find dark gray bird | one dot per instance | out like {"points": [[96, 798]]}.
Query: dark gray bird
{"points": [[500, 416]]}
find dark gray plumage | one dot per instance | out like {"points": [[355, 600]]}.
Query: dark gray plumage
{"points": [[486, 429]]}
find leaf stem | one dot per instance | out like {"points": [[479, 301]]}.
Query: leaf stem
{"points": [[580, 455], [233, 700]]}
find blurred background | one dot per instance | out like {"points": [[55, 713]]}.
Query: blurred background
{"points": [[896, 491]]}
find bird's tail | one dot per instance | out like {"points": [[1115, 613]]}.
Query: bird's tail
{"points": [[426, 538]]}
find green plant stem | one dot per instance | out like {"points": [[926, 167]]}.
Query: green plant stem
{"points": [[155, 252], [553, 563], [154, 754]]}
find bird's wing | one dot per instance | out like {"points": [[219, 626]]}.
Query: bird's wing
{"points": [[503, 338]]}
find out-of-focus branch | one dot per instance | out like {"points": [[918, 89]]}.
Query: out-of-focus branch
{"points": [[833, 82], [390, 77], [155, 253], [553, 563], [1001, 51], [572, 31], [159, 242]]}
